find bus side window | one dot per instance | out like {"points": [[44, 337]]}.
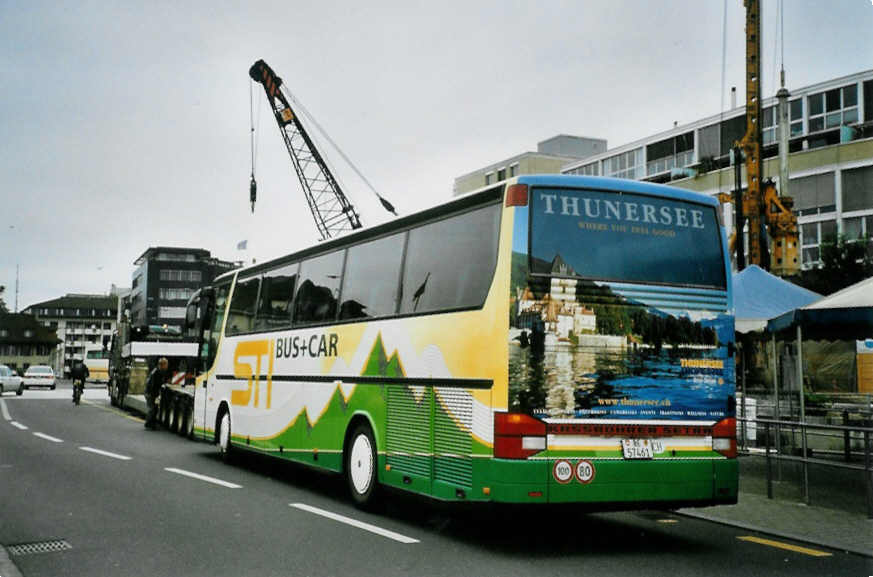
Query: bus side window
{"points": [[274, 302], [450, 263], [370, 283], [318, 290], [241, 317]]}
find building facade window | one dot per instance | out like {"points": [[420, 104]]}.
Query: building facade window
{"points": [[175, 294], [674, 152], [857, 189], [813, 194], [489, 178], [812, 234], [770, 121], [176, 257], [833, 108], [180, 275], [501, 174], [513, 170], [624, 165], [591, 169]]}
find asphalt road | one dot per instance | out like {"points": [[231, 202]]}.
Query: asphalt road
{"points": [[134, 502]]}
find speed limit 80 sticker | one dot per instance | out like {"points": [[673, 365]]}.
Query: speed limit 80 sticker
{"points": [[564, 471], [584, 472]]}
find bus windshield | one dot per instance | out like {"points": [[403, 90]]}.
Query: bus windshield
{"points": [[594, 234]]}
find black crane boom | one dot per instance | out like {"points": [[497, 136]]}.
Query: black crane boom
{"points": [[332, 211]]}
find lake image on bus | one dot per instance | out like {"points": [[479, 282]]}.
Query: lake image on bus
{"points": [[549, 339]]}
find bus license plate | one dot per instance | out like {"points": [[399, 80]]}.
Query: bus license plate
{"points": [[637, 448]]}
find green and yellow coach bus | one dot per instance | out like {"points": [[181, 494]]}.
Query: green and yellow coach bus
{"points": [[550, 339]]}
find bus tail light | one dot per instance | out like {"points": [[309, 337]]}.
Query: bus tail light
{"points": [[724, 437], [516, 195], [518, 436]]}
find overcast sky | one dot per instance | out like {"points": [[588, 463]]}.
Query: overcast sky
{"points": [[125, 125]]}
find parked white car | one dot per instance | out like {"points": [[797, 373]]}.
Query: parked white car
{"points": [[10, 381], [39, 376]]}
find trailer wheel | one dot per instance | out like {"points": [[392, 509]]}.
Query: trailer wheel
{"points": [[361, 461], [166, 411], [174, 417], [188, 429]]}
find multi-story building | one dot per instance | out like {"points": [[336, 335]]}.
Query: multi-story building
{"points": [[551, 155], [81, 322], [830, 162], [24, 341], [164, 280]]}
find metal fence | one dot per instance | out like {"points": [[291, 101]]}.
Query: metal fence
{"points": [[856, 455]]}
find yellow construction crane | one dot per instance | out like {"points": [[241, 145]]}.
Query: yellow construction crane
{"points": [[761, 204]]}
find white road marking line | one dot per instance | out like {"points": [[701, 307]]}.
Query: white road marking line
{"points": [[203, 478], [18, 425], [4, 410], [106, 453], [48, 438], [355, 523]]}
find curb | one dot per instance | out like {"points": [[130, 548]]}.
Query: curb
{"points": [[776, 533]]}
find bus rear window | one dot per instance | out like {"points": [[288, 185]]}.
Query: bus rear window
{"points": [[602, 235]]}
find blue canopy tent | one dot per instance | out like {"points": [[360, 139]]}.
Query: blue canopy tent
{"points": [[760, 296]]}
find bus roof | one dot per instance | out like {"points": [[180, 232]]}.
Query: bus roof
{"points": [[487, 194], [617, 184]]}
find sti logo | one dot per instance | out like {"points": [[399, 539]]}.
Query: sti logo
{"points": [[250, 359]]}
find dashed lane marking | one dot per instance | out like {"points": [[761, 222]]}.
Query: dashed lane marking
{"points": [[4, 410], [48, 438], [106, 453], [200, 477], [355, 523], [18, 425], [786, 546]]}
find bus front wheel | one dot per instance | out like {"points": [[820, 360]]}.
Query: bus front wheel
{"points": [[360, 465]]}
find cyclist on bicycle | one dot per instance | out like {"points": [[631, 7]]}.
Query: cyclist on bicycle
{"points": [[79, 373]]}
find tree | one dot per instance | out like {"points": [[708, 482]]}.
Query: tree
{"points": [[3, 307], [844, 263]]}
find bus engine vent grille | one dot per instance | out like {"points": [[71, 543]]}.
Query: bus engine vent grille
{"points": [[453, 445], [408, 429], [39, 547]]}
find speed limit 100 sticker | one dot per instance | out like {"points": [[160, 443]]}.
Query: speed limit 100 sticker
{"points": [[584, 472], [563, 471]]}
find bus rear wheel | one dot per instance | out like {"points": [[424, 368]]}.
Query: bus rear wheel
{"points": [[360, 466]]}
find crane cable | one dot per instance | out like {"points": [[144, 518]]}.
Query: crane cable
{"points": [[254, 137], [385, 203]]}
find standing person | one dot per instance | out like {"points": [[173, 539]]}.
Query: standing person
{"points": [[79, 372], [159, 375]]}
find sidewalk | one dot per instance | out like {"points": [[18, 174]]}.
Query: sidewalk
{"points": [[833, 528]]}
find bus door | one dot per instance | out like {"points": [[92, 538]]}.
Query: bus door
{"points": [[198, 321]]}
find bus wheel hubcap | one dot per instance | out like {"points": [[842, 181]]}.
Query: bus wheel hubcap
{"points": [[225, 432], [361, 464]]}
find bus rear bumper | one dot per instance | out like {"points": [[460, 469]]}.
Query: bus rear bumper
{"points": [[615, 484]]}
